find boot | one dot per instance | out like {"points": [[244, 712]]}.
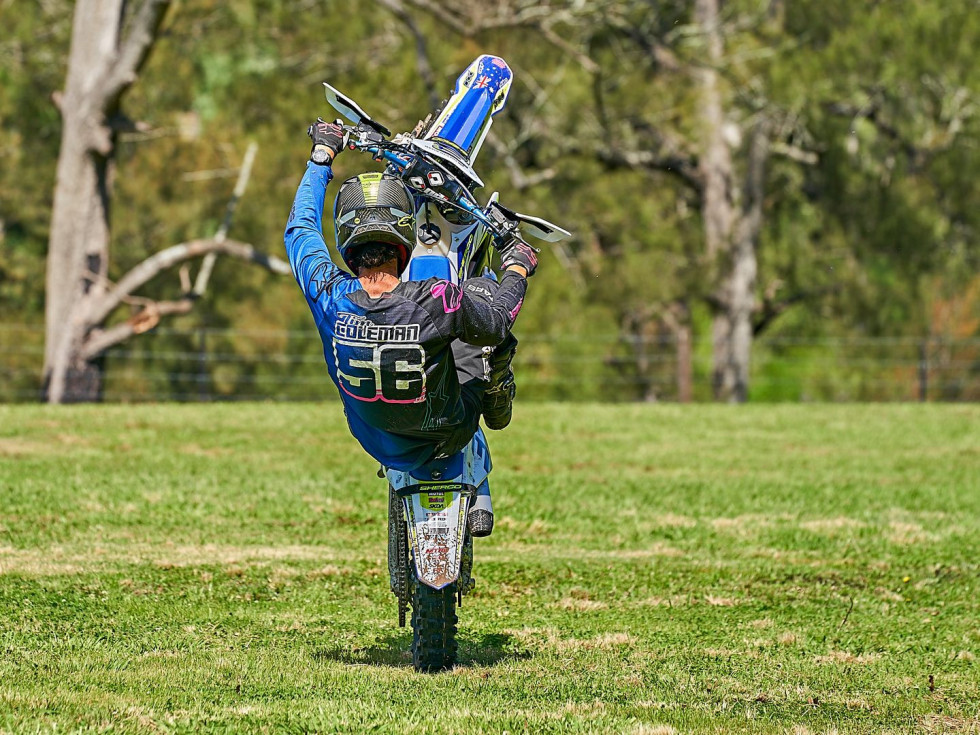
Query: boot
{"points": [[480, 517]]}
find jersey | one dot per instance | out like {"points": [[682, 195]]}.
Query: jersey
{"points": [[391, 357]]}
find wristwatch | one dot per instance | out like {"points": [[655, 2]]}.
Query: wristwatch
{"points": [[321, 155]]}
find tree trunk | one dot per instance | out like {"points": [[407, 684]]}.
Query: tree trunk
{"points": [[732, 221], [732, 327], [78, 251], [101, 67]]}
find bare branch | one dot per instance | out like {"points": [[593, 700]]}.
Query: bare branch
{"points": [[872, 113], [673, 162], [663, 55], [541, 18], [168, 257], [560, 43], [100, 340], [133, 53], [443, 15], [204, 275], [518, 177], [795, 153]]}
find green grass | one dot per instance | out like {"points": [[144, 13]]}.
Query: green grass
{"points": [[786, 569]]}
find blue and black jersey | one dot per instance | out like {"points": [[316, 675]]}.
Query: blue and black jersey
{"points": [[392, 357]]}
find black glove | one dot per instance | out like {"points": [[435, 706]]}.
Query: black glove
{"points": [[328, 141], [519, 253]]}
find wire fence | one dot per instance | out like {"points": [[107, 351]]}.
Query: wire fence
{"points": [[219, 364]]}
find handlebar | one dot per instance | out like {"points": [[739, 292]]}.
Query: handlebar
{"points": [[431, 179]]}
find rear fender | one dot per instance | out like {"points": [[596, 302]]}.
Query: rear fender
{"points": [[437, 497], [435, 513]]}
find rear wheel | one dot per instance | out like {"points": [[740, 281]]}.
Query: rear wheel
{"points": [[434, 627]]}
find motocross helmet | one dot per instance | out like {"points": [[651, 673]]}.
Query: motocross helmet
{"points": [[374, 207]]}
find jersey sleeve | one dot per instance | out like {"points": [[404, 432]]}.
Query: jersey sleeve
{"points": [[480, 311], [306, 249]]}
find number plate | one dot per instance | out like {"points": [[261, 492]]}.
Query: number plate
{"points": [[436, 514]]}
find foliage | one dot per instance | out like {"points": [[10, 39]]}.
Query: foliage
{"points": [[863, 240]]}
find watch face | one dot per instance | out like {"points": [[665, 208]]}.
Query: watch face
{"points": [[320, 155]]}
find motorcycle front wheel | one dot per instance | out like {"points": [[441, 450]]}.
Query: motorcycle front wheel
{"points": [[433, 626]]}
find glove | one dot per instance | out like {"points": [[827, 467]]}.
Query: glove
{"points": [[328, 141], [519, 253]]}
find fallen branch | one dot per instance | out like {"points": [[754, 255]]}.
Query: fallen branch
{"points": [[175, 254], [144, 320]]}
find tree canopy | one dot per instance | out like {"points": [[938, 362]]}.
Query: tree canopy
{"points": [[868, 216]]}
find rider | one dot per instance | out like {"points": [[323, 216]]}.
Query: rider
{"points": [[407, 357]]}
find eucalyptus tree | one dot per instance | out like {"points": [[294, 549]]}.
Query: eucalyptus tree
{"points": [[109, 47]]}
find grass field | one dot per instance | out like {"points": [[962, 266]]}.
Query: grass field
{"points": [[765, 569]]}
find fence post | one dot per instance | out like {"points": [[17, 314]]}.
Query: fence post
{"points": [[684, 364], [202, 365], [924, 370]]}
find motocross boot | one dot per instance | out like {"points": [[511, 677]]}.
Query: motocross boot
{"points": [[498, 399], [480, 517]]}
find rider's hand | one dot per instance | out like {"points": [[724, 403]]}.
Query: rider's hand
{"points": [[328, 141], [519, 254]]}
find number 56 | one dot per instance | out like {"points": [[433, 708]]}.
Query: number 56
{"points": [[393, 373]]}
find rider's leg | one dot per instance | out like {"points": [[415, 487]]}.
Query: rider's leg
{"points": [[494, 365], [472, 370], [498, 399]]}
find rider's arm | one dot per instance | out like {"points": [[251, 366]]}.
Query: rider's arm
{"points": [[305, 247], [487, 309]]}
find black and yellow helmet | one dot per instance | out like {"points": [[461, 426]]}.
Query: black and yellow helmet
{"points": [[374, 207]]}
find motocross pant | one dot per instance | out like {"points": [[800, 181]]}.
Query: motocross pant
{"points": [[472, 370]]}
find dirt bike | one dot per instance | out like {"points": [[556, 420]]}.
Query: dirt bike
{"points": [[430, 542]]}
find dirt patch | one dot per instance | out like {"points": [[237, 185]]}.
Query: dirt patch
{"points": [[654, 730], [580, 605], [748, 523], [551, 639], [947, 724], [197, 450], [675, 601], [907, 534], [720, 601], [672, 520], [74, 440], [33, 563], [598, 643], [719, 652], [56, 560], [15, 447], [832, 526], [186, 556], [610, 640], [843, 657]]}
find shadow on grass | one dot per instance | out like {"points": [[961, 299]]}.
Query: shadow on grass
{"points": [[487, 649]]}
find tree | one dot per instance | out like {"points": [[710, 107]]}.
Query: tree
{"points": [[102, 66]]}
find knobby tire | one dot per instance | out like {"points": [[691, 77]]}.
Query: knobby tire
{"points": [[434, 627]]}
